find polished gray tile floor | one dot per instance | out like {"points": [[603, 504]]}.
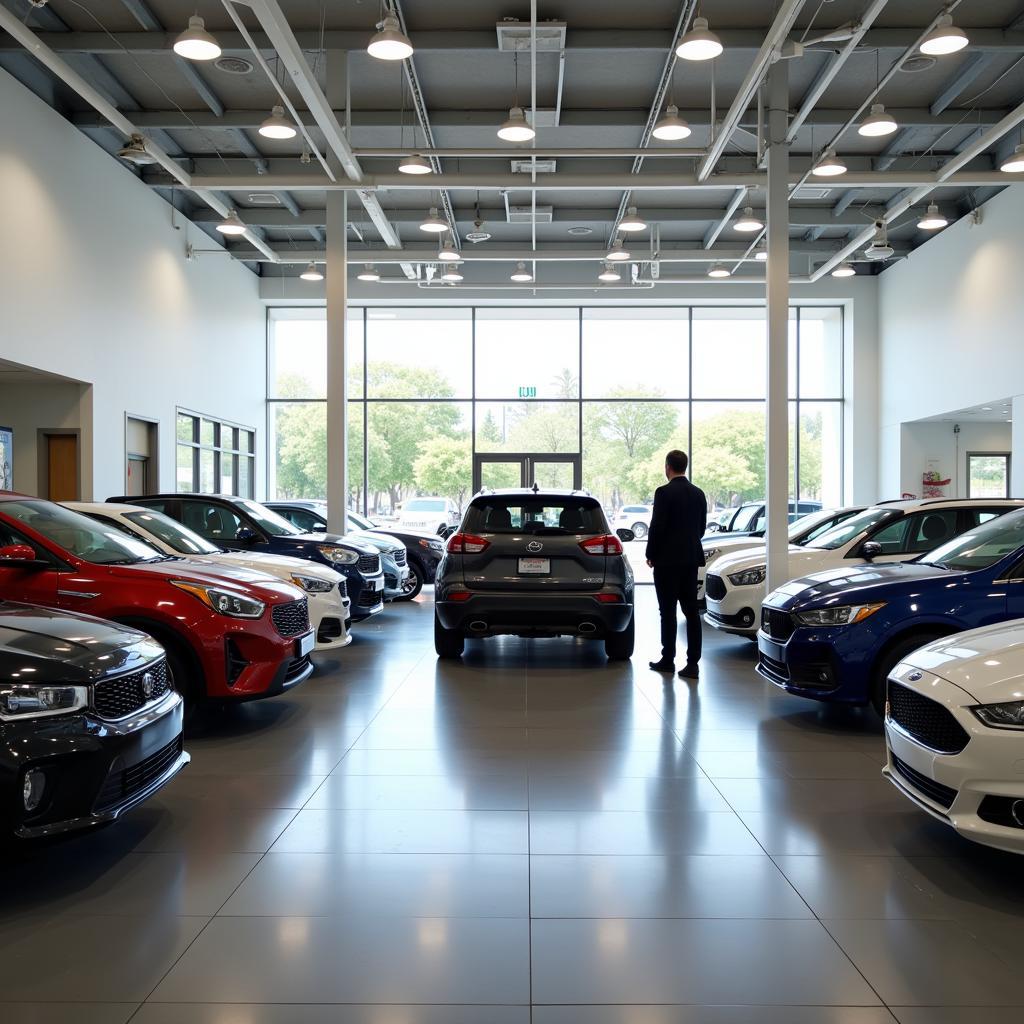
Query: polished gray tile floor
{"points": [[530, 836]]}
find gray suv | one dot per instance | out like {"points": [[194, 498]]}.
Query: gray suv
{"points": [[535, 563]]}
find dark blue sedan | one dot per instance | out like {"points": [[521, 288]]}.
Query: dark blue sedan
{"points": [[240, 524], [836, 635]]}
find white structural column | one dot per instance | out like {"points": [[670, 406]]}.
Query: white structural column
{"points": [[777, 411], [1017, 447], [337, 317]]}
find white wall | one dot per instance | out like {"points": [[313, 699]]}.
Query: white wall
{"points": [[921, 443], [94, 286], [950, 328]]}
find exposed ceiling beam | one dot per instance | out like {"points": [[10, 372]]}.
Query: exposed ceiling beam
{"points": [[971, 68]]}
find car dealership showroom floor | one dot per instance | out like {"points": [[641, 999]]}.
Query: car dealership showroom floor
{"points": [[529, 834]]}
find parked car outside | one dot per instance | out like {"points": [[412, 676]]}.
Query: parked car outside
{"points": [[954, 730], [433, 514], [836, 636], [634, 517], [89, 724], [229, 634], [751, 517], [535, 563], [894, 531], [326, 590], [240, 524]]}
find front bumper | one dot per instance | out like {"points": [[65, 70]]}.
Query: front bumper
{"points": [[328, 614], [738, 612], [95, 770], [508, 613], [367, 594], [395, 577], [815, 663]]}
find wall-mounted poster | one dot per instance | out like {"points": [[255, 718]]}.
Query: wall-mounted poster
{"points": [[6, 459], [933, 481]]}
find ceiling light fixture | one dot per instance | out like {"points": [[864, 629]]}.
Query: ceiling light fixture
{"points": [[748, 222], [617, 254], [632, 221], [879, 249], [945, 38], [609, 274], [932, 220], [1014, 163], [521, 274], [390, 42], [414, 164], [433, 224], [311, 273], [671, 127], [448, 253], [195, 43], [368, 274], [699, 43], [231, 225], [844, 270], [717, 270], [451, 275], [828, 165], [135, 152], [277, 126], [516, 128], [878, 122]]}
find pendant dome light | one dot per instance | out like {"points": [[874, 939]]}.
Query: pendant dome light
{"points": [[879, 249], [368, 274], [414, 164], [632, 221], [748, 222], [828, 165], [277, 126], [231, 225], [516, 128], [195, 43], [521, 275], [944, 39], [609, 274], [434, 224], [932, 219], [451, 275], [617, 254], [390, 42], [699, 43], [761, 253], [844, 270], [311, 273], [671, 127], [1014, 163], [718, 270], [878, 122], [135, 152], [447, 252]]}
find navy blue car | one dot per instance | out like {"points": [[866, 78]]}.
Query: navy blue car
{"points": [[836, 635], [240, 524]]}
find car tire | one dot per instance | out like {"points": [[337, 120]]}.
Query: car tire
{"points": [[619, 646], [414, 584], [639, 530], [448, 643], [889, 660]]}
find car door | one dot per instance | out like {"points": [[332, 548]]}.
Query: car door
{"points": [[914, 534], [219, 523], [306, 521]]}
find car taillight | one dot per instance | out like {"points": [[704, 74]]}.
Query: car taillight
{"points": [[609, 599], [459, 595], [466, 544], [606, 545]]}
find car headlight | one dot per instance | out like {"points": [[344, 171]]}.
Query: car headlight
{"points": [[35, 700], [1002, 716], [340, 556], [224, 602], [839, 615], [433, 545], [748, 577], [311, 585]]}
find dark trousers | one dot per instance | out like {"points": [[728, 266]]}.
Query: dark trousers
{"points": [[677, 585]]}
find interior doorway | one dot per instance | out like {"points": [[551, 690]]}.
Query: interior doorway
{"points": [[524, 469], [62, 467]]}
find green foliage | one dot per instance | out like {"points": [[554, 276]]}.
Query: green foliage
{"points": [[444, 466], [728, 455]]}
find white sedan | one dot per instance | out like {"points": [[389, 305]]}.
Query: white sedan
{"points": [[954, 729], [329, 604]]}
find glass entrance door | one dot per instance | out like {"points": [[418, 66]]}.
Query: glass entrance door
{"points": [[525, 469]]}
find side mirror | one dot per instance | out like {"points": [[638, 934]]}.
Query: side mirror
{"points": [[246, 536], [626, 536], [870, 549], [19, 556]]}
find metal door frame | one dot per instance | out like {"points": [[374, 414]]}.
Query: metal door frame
{"points": [[527, 461]]}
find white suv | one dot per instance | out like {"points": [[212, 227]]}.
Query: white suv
{"points": [[892, 531], [633, 517], [432, 514]]}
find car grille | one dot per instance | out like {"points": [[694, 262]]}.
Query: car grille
{"points": [[123, 783], [777, 624], [714, 586], [369, 564], [291, 619], [120, 697], [400, 556], [295, 669], [935, 791], [775, 670], [368, 598], [927, 721]]}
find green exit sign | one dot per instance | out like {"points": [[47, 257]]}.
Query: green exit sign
{"points": [[527, 392]]}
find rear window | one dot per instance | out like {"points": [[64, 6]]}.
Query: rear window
{"points": [[516, 514], [422, 505]]}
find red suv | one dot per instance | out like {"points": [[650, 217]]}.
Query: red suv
{"points": [[229, 633]]}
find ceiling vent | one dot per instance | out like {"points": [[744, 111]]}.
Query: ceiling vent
{"points": [[525, 215], [233, 65], [919, 62], [525, 166], [812, 193], [263, 199], [580, 230], [514, 34]]}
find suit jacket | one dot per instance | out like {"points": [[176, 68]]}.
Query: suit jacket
{"points": [[678, 522]]}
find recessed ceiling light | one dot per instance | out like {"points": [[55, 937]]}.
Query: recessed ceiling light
{"points": [[878, 122], [671, 127], [231, 225], [311, 273], [516, 128], [195, 43], [829, 165], [277, 126], [433, 224], [521, 274], [945, 38], [932, 220], [699, 43], [414, 164], [390, 42], [747, 222], [632, 221]]}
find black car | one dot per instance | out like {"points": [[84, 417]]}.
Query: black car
{"points": [[89, 724], [240, 524], [538, 564], [424, 550]]}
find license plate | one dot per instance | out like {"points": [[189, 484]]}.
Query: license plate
{"points": [[535, 566], [377, 584], [305, 644], [770, 649]]}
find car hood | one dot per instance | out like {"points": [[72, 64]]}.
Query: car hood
{"points": [[378, 541], [281, 566], [262, 585], [988, 663], [729, 545], [364, 547], [401, 534], [855, 584], [67, 647], [748, 557]]}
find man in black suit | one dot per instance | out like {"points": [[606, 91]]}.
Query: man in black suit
{"points": [[675, 553]]}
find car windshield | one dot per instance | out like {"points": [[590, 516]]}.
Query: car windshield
{"points": [[275, 525], [512, 514], [810, 527], [358, 522], [81, 536], [855, 525], [172, 533], [424, 505], [981, 547], [744, 518]]}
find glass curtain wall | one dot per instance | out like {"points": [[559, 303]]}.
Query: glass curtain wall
{"points": [[430, 387]]}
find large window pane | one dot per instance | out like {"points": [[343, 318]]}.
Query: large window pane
{"points": [[297, 354], [185, 477], [419, 353], [527, 353], [527, 427], [821, 352], [728, 451], [636, 353], [821, 470], [729, 353], [207, 477]]}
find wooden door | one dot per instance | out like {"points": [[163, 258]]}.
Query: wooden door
{"points": [[62, 467]]}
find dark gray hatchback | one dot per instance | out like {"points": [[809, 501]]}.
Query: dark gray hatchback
{"points": [[538, 564]]}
